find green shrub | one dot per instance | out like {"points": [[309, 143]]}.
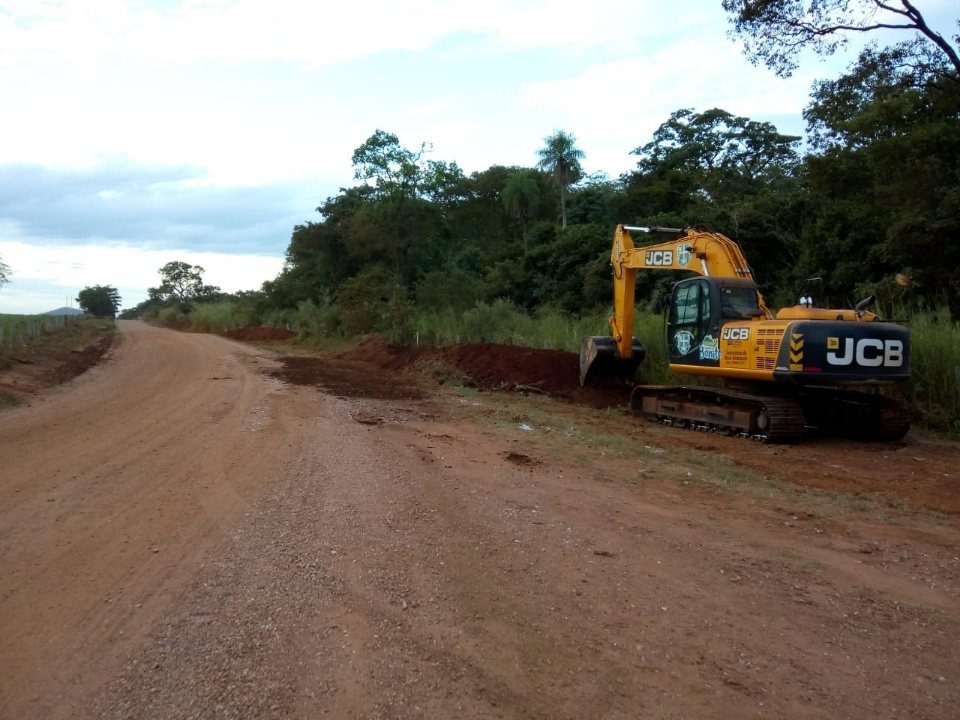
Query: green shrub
{"points": [[219, 317], [436, 327], [373, 301], [933, 391], [172, 317], [442, 289], [318, 320], [495, 322], [398, 318]]}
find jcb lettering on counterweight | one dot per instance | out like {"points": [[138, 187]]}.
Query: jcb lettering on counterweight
{"points": [[658, 258], [866, 352]]}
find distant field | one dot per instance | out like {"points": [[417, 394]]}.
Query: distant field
{"points": [[8, 323], [20, 328]]}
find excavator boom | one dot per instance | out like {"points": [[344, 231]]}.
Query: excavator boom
{"points": [[704, 253]]}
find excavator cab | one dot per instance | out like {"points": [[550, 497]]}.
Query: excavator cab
{"points": [[699, 307]]}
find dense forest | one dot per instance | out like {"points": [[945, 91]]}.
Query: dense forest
{"points": [[867, 203], [872, 192]]}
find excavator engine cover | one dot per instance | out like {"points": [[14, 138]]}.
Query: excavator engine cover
{"points": [[600, 360]]}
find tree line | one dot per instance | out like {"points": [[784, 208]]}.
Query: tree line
{"points": [[872, 196]]}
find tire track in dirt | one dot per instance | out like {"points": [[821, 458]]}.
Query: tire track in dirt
{"points": [[113, 487]]}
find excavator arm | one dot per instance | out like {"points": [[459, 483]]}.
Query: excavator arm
{"points": [[704, 253]]}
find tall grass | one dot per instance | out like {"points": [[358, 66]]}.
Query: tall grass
{"points": [[171, 316], [20, 328], [220, 316], [501, 322], [933, 393]]}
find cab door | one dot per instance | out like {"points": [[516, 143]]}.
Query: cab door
{"points": [[692, 337]]}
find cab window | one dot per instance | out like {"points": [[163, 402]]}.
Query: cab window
{"points": [[739, 303]]}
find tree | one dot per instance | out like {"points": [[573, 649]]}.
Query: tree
{"points": [[478, 220], [373, 301], [884, 180], [774, 31], [5, 273], [561, 157], [449, 288], [885, 93], [723, 153], [562, 273], [183, 282], [398, 214], [442, 182], [321, 255], [100, 300], [706, 167], [592, 201], [394, 169], [520, 197], [730, 173]]}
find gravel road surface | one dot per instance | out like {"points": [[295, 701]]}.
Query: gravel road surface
{"points": [[187, 533]]}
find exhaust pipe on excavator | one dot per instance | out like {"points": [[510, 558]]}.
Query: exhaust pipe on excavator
{"points": [[600, 361]]}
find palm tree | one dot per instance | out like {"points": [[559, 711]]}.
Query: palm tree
{"points": [[520, 196], [561, 157]]}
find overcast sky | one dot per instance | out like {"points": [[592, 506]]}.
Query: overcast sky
{"points": [[134, 133]]}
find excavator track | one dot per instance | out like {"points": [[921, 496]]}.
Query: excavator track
{"points": [[764, 418], [858, 415]]}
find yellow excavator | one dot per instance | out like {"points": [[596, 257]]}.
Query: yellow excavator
{"points": [[805, 368]]}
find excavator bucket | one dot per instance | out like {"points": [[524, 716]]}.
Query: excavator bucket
{"points": [[600, 361]]}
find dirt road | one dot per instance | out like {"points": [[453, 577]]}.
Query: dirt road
{"points": [[200, 528]]}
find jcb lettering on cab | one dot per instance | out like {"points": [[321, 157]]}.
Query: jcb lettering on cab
{"points": [[866, 352], [736, 333]]}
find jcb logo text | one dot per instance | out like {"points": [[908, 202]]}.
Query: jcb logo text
{"points": [[658, 258], [736, 333], [866, 352]]}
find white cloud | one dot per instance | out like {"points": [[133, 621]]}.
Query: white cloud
{"points": [[216, 125], [314, 33], [45, 278], [164, 205], [618, 106], [260, 92]]}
